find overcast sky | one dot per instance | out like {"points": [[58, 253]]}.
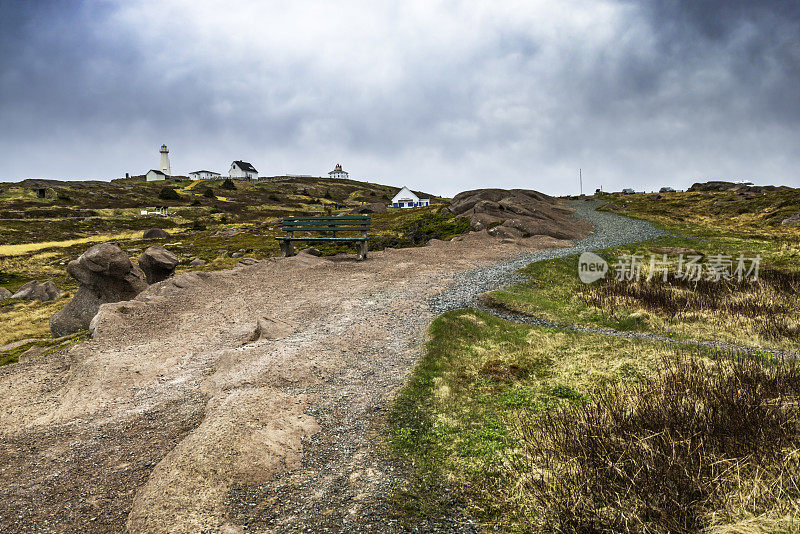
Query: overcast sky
{"points": [[440, 96]]}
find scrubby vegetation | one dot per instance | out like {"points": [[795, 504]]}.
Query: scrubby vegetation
{"points": [[545, 430], [207, 219], [537, 430]]}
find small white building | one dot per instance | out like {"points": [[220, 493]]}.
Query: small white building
{"points": [[243, 171], [405, 198], [204, 175], [337, 172], [154, 175]]}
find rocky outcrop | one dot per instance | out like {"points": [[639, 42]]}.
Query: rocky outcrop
{"points": [[155, 233], [794, 218], [5, 293], [515, 213], [105, 274], [157, 264], [719, 185], [33, 290]]}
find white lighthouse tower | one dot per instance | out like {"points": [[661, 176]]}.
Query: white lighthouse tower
{"points": [[165, 160]]}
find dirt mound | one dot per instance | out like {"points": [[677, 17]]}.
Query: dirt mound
{"points": [[515, 213]]}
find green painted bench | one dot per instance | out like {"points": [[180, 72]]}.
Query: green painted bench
{"points": [[347, 224]]}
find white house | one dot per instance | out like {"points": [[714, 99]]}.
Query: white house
{"points": [[243, 171], [406, 199], [154, 175], [337, 172], [204, 175]]}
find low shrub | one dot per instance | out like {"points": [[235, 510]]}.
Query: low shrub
{"points": [[228, 184], [168, 193], [695, 441]]}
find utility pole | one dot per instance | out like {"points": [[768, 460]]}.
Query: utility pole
{"points": [[580, 177]]}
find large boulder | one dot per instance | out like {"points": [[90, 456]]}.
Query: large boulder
{"points": [[155, 233], [105, 274], [33, 290], [5, 293], [157, 264], [515, 213]]}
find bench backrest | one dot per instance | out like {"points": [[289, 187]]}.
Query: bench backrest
{"points": [[345, 223]]}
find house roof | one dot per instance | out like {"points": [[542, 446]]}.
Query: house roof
{"points": [[198, 172], [247, 167], [409, 194], [337, 168], [155, 171]]}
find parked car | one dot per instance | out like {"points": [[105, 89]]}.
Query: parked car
{"points": [[628, 191], [666, 190]]}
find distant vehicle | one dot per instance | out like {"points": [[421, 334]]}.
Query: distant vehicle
{"points": [[628, 191], [666, 190], [744, 182]]}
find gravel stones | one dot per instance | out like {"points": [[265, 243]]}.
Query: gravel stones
{"points": [[106, 274], [610, 230], [34, 290], [157, 264]]}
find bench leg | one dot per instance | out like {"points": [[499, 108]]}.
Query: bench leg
{"points": [[362, 250], [287, 248]]}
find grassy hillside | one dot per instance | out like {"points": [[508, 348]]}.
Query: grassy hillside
{"points": [[537, 429], [207, 220]]}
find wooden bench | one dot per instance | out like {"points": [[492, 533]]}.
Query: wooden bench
{"points": [[325, 225]]}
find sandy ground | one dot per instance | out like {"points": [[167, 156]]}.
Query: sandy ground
{"points": [[249, 399]]}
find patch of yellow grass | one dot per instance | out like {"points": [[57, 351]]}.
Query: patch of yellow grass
{"points": [[25, 248], [28, 319]]}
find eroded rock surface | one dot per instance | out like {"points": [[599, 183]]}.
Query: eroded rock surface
{"points": [[106, 274], [516, 213], [157, 263], [34, 290]]}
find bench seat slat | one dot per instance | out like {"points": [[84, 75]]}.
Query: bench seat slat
{"points": [[327, 229], [322, 238], [290, 219]]}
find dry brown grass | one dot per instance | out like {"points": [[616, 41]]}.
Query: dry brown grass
{"points": [[696, 445]]}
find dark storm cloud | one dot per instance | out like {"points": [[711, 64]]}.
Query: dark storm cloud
{"points": [[443, 95]]}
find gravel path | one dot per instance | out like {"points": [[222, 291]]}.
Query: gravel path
{"points": [[610, 230]]}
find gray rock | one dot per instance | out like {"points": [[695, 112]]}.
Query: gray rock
{"points": [[526, 211], [5, 293], [312, 251], [237, 255], [794, 218], [155, 233], [245, 262], [35, 290], [133, 250], [197, 262], [105, 274], [157, 264]]}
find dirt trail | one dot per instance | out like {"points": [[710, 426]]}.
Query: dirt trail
{"points": [[175, 418]]}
